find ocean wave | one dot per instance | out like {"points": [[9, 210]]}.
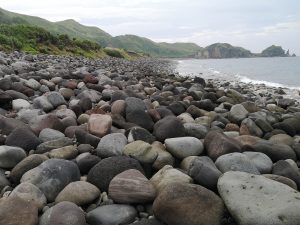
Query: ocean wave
{"points": [[248, 80]]}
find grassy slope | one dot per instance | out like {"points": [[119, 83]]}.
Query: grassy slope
{"points": [[37, 40], [128, 42]]}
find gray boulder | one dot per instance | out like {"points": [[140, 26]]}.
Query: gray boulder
{"points": [[52, 176]]}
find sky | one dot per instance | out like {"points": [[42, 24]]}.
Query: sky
{"points": [[254, 24]]}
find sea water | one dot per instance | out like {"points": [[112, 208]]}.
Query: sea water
{"points": [[276, 72]]}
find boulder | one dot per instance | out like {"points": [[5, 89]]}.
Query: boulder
{"points": [[49, 134], [237, 113], [255, 199], [236, 162], [99, 125], [285, 169], [64, 213], [16, 211], [183, 203], [25, 165], [23, 138], [183, 147], [131, 187], [79, 192], [30, 193], [261, 161], [104, 171], [204, 172], [168, 175], [86, 161], [52, 176], [217, 144], [111, 145], [10, 156], [53, 144], [168, 127], [111, 215], [141, 151]]}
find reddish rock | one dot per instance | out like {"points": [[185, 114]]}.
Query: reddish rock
{"points": [[89, 78], [232, 127], [131, 186], [99, 125], [39, 123]]}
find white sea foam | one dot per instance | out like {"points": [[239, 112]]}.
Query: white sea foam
{"points": [[248, 80]]}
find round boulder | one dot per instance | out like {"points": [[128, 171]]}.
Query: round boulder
{"points": [[182, 203]]}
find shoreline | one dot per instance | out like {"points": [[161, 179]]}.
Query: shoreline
{"points": [[113, 141]]}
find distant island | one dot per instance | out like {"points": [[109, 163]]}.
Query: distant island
{"points": [[225, 50], [83, 39]]}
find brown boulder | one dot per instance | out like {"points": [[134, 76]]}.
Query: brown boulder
{"points": [[183, 203]]}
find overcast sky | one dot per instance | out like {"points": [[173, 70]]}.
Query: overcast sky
{"points": [[254, 24]]}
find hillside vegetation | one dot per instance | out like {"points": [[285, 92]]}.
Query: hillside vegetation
{"points": [[37, 40], [114, 45], [76, 30]]}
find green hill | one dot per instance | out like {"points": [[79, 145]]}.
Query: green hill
{"points": [[139, 44], [76, 30], [34, 39]]}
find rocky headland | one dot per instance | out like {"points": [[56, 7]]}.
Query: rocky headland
{"points": [[114, 142]]}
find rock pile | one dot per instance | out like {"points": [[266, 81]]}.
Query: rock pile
{"points": [[128, 142]]}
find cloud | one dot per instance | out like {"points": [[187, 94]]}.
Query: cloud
{"points": [[279, 27]]}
